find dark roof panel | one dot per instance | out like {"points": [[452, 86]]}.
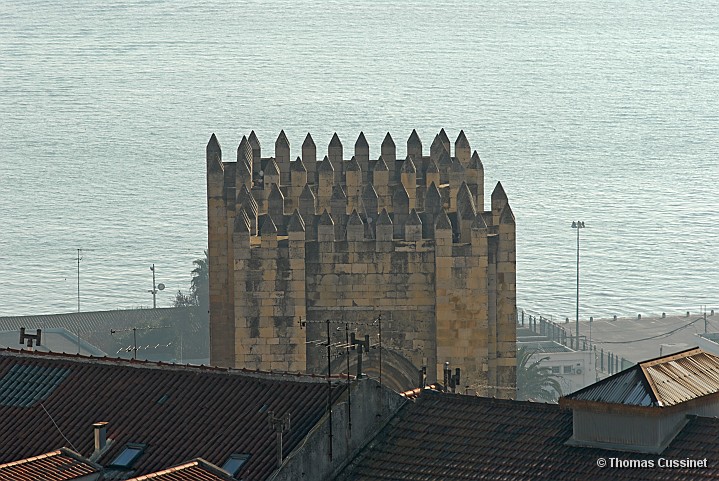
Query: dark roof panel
{"points": [[205, 412], [456, 437]]}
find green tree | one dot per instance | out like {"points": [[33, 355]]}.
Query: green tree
{"points": [[191, 333], [535, 381], [200, 285]]}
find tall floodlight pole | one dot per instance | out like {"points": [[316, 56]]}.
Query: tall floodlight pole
{"points": [[155, 288], [577, 225]]}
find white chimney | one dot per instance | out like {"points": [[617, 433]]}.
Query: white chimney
{"points": [[100, 436]]}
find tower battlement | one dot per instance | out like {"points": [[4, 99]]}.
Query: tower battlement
{"points": [[346, 238]]}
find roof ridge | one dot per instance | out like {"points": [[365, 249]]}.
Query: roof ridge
{"points": [[140, 363]]}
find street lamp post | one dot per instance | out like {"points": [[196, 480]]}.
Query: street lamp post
{"points": [[155, 288], [577, 225]]}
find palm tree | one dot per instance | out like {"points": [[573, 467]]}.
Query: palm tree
{"points": [[534, 381], [200, 285]]}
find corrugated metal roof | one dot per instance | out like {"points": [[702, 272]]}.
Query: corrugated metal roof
{"points": [[665, 381]]}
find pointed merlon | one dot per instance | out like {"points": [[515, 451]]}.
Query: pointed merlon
{"points": [[443, 222], [308, 141], [507, 216], [384, 218], [463, 193], [213, 146], [437, 147], [445, 161], [272, 168], [244, 152], [335, 141], [381, 165], [325, 165], [282, 140], [457, 166], [214, 155], [254, 141], [268, 226], [408, 166], [432, 167], [215, 163], [355, 218], [307, 193], [298, 166], [443, 137], [247, 201], [242, 169], [433, 199], [338, 193], [388, 142], [369, 193], [400, 196], [353, 165], [361, 142], [479, 222], [465, 203], [242, 221], [414, 218], [414, 139], [297, 224], [326, 218], [476, 162], [275, 194], [461, 140], [498, 192]]}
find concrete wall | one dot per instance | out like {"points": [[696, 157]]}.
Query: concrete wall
{"points": [[371, 409]]}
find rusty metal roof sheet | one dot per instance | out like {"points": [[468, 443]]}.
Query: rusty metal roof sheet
{"points": [[660, 382]]}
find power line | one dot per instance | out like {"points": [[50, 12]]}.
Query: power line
{"points": [[58, 428], [652, 337]]}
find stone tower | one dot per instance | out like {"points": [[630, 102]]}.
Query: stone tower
{"points": [[293, 243]]}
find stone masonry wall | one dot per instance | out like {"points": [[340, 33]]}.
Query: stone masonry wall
{"points": [[293, 243]]}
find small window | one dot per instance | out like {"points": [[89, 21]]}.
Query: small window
{"points": [[555, 369], [235, 462], [128, 456], [567, 369]]}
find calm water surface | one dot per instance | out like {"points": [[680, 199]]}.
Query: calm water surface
{"points": [[606, 112]]}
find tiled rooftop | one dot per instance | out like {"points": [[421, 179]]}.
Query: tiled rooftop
{"points": [[195, 470], [660, 382], [179, 413], [58, 465], [455, 437]]}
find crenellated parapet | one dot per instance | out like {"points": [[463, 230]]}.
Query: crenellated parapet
{"points": [[406, 235]]}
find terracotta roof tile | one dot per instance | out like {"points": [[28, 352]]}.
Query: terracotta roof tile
{"points": [[456, 437], [195, 470], [58, 465], [178, 412]]}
